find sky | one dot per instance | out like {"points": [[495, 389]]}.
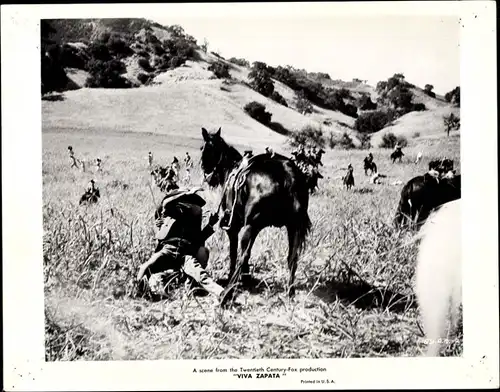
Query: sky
{"points": [[424, 48]]}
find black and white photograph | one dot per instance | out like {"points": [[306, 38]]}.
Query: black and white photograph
{"points": [[238, 185]]}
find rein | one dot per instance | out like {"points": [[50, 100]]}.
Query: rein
{"points": [[218, 167]]}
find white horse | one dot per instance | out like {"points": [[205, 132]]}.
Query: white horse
{"points": [[438, 285]]}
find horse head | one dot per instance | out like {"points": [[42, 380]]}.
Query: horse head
{"points": [[217, 157]]}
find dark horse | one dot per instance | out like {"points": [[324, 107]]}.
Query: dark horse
{"points": [[398, 154], [369, 165], [423, 194], [273, 192]]}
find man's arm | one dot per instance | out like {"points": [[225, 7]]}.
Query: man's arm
{"points": [[208, 230]]}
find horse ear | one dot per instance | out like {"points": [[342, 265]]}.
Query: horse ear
{"points": [[204, 133], [218, 132]]}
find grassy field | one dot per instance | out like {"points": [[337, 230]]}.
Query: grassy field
{"points": [[355, 276]]}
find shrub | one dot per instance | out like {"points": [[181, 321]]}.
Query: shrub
{"points": [[204, 46], [371, 122], [240, 62], [346, 142], [107, 74], [220, 70], [428, 90], [365, 103], [308, 136], [389, 140], [71, 58], [261, 79], [258, 112], [176, 62], [344, 93], [451, 122], [53, 75], [332, 140], [350, 110], [118, 47], [158, 49], [418, 107], [303, 104], [99, 51], [143, 53], [143, 78], [144, 64], [277, 97], [416, 134], [453, 96], [365, 141]]}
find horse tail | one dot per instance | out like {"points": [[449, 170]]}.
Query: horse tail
{"points": [[303, 227]]}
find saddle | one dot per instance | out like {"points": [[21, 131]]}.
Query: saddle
{"points": [[237, 178]]}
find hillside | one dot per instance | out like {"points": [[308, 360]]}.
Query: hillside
{"points": [[172, 84]]}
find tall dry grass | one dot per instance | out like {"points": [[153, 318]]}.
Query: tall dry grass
{"points": [[354, 278]]}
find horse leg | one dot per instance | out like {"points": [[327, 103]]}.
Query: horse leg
{"points": [[233, 250], [247, 240], [293, 251]]}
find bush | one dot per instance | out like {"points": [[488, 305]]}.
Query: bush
{"points": [[99, 51], [365, 103], [258, 112], [303, 104], [158, 49], [371, 122], [346, 142], [71, 58], [118, 47], [366, 141], [107, 74], [53, 75], [240, 62], [451, 122], [350, 110], [176, 62], [308, 136], [453, 96], [220, 70], [415, 135], [344, 93], [277, 97], [418, 107], [428, 90], [143, 78], [261, 79], [389, 140], [144, 64], [143, 53]]}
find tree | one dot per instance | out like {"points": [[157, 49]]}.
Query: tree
{"points": [[428, 90], [204, 47], [260, 79], [453, 96], [451, 122], [303, 104]]}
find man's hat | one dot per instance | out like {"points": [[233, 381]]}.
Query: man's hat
{"points": [[187, 194]]}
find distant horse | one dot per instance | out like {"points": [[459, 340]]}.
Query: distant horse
{"points": [[398, 154], [370, 165], [348, 179], [272, 192]]}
